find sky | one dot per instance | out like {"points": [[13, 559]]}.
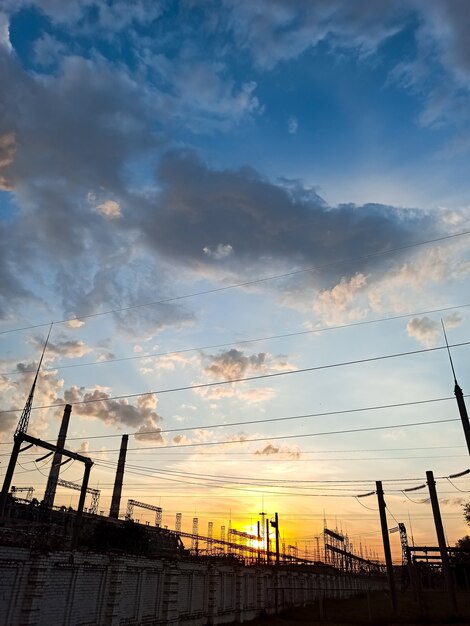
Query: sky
{"points": [[201, 192]]}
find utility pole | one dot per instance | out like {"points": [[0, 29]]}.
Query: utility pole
{"points": [[459, 396], [267, 541], [386, 542], [442, 542], [119, 479], [259, 542], [51, 487], [275, 525]]}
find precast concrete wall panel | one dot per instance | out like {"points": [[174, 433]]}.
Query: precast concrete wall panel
{"points": [[87, 589]]}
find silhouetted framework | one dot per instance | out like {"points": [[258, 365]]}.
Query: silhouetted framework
{"points": [[33, 441], [401, 528], [195, 536], [142, 505], [23, 423], [28, 490], [95, 493]]}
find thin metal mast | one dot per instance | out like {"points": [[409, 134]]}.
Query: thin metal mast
{"points": [[448, 351], [459, 397], [24, 419]]}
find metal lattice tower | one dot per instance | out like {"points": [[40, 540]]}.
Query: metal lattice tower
{"points": [[95, 493], [222, 536], [25, 415], [210, 530], [404, 542], [178, 522], [150, 507], [29, 491], [194, 539]]}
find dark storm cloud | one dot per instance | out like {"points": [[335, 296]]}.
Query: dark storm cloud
{"points": [[78, 131], [66, 141], [265, 224]]}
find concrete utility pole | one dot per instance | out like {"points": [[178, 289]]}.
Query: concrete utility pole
{"points": [[116, 499], [51, 487], [275, 525], [459, 396], [386, 542], [442, 542], [267, 541]]}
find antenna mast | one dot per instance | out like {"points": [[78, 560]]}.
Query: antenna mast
{"points": [[459, 397], [24, 419]]}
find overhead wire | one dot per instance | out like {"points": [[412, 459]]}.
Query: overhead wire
{"points": [[256, 281], [276, 438], [245, 378], [236, 343]]}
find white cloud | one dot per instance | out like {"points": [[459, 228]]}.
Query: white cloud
{"points": [[7, 152], [109, 209], [340, 302], [427, 331], [5, 31], [424, 330], [221, 251], [292, 125], [75, 323]]}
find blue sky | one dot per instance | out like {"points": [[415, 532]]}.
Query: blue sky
{"points": [[156, 150]]}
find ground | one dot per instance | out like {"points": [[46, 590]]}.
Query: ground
{"points": [[376, 610]]}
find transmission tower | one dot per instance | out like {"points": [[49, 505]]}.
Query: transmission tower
{"points": [[194, 539], [222, 537], [210, 529], [95, 493], [29, 491], [150, 507]]}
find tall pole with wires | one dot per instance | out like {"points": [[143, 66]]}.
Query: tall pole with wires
{"points": [[459, 396], [386, 542], [449, 582]]}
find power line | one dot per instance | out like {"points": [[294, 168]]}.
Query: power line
{"points": [[246, 378], [236, 343], [270, 419], [332, 432], [371, 255]]}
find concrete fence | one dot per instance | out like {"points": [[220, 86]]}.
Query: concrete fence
{"points": [[72, 589]]}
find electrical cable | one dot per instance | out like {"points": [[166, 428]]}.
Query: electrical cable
{"points": [[245, 379], [371, 255], [321, 434], [236, 343], [457, 488], [268, 420]]}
